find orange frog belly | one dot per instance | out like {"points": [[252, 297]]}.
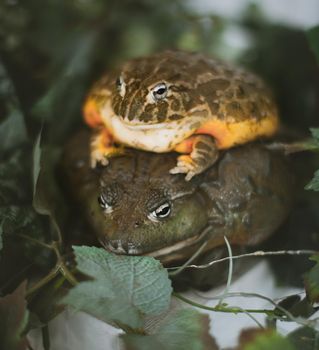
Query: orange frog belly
{"points": [[228, 134]]}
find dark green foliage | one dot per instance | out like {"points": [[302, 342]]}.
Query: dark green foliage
{"points": [[305, 338], [12, 127], [13, 320], [314, 183], [296, 306], [277, 55], [313, 37], [265, 340], [312, 281]]}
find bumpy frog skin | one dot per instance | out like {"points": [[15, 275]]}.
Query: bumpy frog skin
{"points": [[136, 207], [178, 101]]}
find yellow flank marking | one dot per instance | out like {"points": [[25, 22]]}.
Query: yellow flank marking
{"points": [[231, 134], [186, 159], [185, 146], [91, 115]]}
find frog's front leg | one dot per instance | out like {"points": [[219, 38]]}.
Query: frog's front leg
{"points": [[202, 151], [102, 148]]}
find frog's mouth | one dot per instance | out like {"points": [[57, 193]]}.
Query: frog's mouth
{"points": [[137, 126], [177, 247], [129, 248]]}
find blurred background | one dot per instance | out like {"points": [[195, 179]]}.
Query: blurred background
{"points": [[52, 51], [297, 13]]}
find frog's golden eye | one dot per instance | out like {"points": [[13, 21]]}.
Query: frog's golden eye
{"points": [[161, 212], [120, 85], [159, 92], [104, 204]]}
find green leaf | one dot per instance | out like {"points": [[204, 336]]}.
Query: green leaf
{"points": [[311, 280], [14, 184], [36, 162], [12, 127], [125, 289], [296, 306], [314, 183], [47, 197], [265, 339], [184, 329], [13, 320], [17, 216], [12, 130], [1, 233], [315, 134], [313, 38], [305, 338]]}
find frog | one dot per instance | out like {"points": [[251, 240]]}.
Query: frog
{"points": [[135, 206], [178, 101]]}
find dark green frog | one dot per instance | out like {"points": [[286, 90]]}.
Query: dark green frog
{"points": [[136, 207]]}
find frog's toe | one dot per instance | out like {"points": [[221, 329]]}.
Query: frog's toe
{"points": [[178, 170], [98, 157], [185, 165], [101, 155]]}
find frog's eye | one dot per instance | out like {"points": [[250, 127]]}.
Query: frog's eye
{"points": [[120, 85], [161, 212], [104, 204], [159, 91]]}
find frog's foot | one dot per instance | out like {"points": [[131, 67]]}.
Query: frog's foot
{"points": [[204, 154], [101, 155], [102, 148]]}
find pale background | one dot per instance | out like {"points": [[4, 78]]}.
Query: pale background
{"points": [[298, 13]]}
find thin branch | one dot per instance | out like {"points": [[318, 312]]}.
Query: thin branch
{"points": [[293, 147], [233, 310], [258, 253], [268, 312], [35, 241], [62, 266], [42, 282], [230, 271], [68, 274], [251, 317], [192, 258]]}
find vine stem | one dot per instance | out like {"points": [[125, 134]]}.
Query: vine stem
{"points": [[221, 308], [294, 147], [35, 241], [42, 282], [62, 267], [187, 262], [287, 316], [259, 253]]}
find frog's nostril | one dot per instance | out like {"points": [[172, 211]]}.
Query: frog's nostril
{"points": [[118, 247], [136, 224], [113, 244]]}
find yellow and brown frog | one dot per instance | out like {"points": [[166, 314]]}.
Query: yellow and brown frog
{"points": [[178, 101]]}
